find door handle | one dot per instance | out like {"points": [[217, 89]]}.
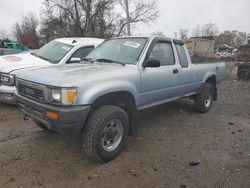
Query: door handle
{"points": [[175, 71]]}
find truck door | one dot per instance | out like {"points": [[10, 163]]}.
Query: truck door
{"points": [[187, 83], [161, 83]]}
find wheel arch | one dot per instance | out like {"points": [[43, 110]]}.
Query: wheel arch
{"points": [[114, 98], [213, 81], [122, 99]]}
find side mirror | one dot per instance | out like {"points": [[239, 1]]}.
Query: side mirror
{"points": [[75, 60], [151, 63]]}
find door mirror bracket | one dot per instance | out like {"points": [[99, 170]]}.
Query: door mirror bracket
{"points": [[151, 63], [75, 60]]}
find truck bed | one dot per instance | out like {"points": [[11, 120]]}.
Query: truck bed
{"points": [[211, 67]]}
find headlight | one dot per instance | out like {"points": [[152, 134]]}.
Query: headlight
{"points": [[56, 95], [64, 96], [7, 79]]}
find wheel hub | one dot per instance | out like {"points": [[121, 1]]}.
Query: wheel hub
{"points": [[208, 100], [112, 135]]}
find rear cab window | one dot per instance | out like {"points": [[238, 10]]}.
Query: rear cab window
{"points": [[182, 55]]}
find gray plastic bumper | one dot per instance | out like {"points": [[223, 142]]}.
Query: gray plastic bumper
{"points": [[71, 119]]}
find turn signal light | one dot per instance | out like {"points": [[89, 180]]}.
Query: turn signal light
{"points": [[52, 115], [71, 96]]}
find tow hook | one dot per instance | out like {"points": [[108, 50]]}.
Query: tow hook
{"points": [[25, 118]]}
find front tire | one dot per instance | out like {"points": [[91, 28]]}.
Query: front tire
{"points": [[204, 100], [105, 133]]}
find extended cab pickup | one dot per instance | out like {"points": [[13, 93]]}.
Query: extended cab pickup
{"points": [[59, 51], [98, 97]]}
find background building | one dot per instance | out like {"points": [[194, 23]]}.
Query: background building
{"points": [[201, 46]]}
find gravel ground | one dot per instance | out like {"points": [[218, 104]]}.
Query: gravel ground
{"points": [[169, 137]]}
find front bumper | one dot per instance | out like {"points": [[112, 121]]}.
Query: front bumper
{"points": [[7, 94], [71, 119]]}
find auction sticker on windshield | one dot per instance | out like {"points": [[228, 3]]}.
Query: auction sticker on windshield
{"points": [[132, 44], [12, 58], [66, 48]]}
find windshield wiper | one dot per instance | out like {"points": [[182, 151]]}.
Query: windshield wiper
{"points": [[88, 60], [41, 57], [104, 60]]}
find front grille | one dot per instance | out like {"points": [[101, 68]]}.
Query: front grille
{"points": [[31, 92]]}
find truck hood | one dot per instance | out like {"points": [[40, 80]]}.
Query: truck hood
{"points": [[71, 74], [10, 63]]}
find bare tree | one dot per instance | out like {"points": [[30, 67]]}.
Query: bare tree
{"points": [[92, 18], [232, 38], [26, 31], [158, 33], [183, 34], [197, 31], [62, 18], [175, 34], [144, 11], [4, 34], [238, 38], [209, 29]]}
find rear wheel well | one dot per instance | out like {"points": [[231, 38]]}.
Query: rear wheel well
{"points": [[212, 80], [122, 99]]}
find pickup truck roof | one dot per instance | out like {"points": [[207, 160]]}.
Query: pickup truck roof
{"points": [[152, 37], [83, 41]]}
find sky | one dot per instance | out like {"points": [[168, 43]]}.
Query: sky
{"points": [[174, 15], [11, 11], [187, 14]]}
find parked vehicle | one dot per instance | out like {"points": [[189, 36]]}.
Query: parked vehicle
{"points": [[98, 97], [223, 51], [243, 62], [8, 47], [224, 48], [59, 51]]}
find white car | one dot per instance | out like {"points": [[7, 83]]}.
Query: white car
{"points": [[59, 51]]}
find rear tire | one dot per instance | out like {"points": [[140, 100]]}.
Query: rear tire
{"points": [[105, 133], [204, 100]]}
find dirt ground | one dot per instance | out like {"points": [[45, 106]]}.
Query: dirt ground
{"points": [[169, 137]]}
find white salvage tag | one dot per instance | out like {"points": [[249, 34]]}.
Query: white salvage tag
{"points": [[66, 48], [132, 44], [12, 58]]}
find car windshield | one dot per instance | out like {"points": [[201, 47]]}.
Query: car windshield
{"points": [[53, 52], [120, 50]]}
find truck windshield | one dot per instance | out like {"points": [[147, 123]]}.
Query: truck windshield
{"points": [[122, 50], [53, 52]]}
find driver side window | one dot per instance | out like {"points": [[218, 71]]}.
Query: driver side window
{"points": [[82, 52], [163, 52]]}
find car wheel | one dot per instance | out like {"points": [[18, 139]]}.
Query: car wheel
{"points": [[105, 133], [204, 100]]}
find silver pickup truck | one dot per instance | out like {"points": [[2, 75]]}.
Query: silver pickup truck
{"points": [[98, 97]]}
